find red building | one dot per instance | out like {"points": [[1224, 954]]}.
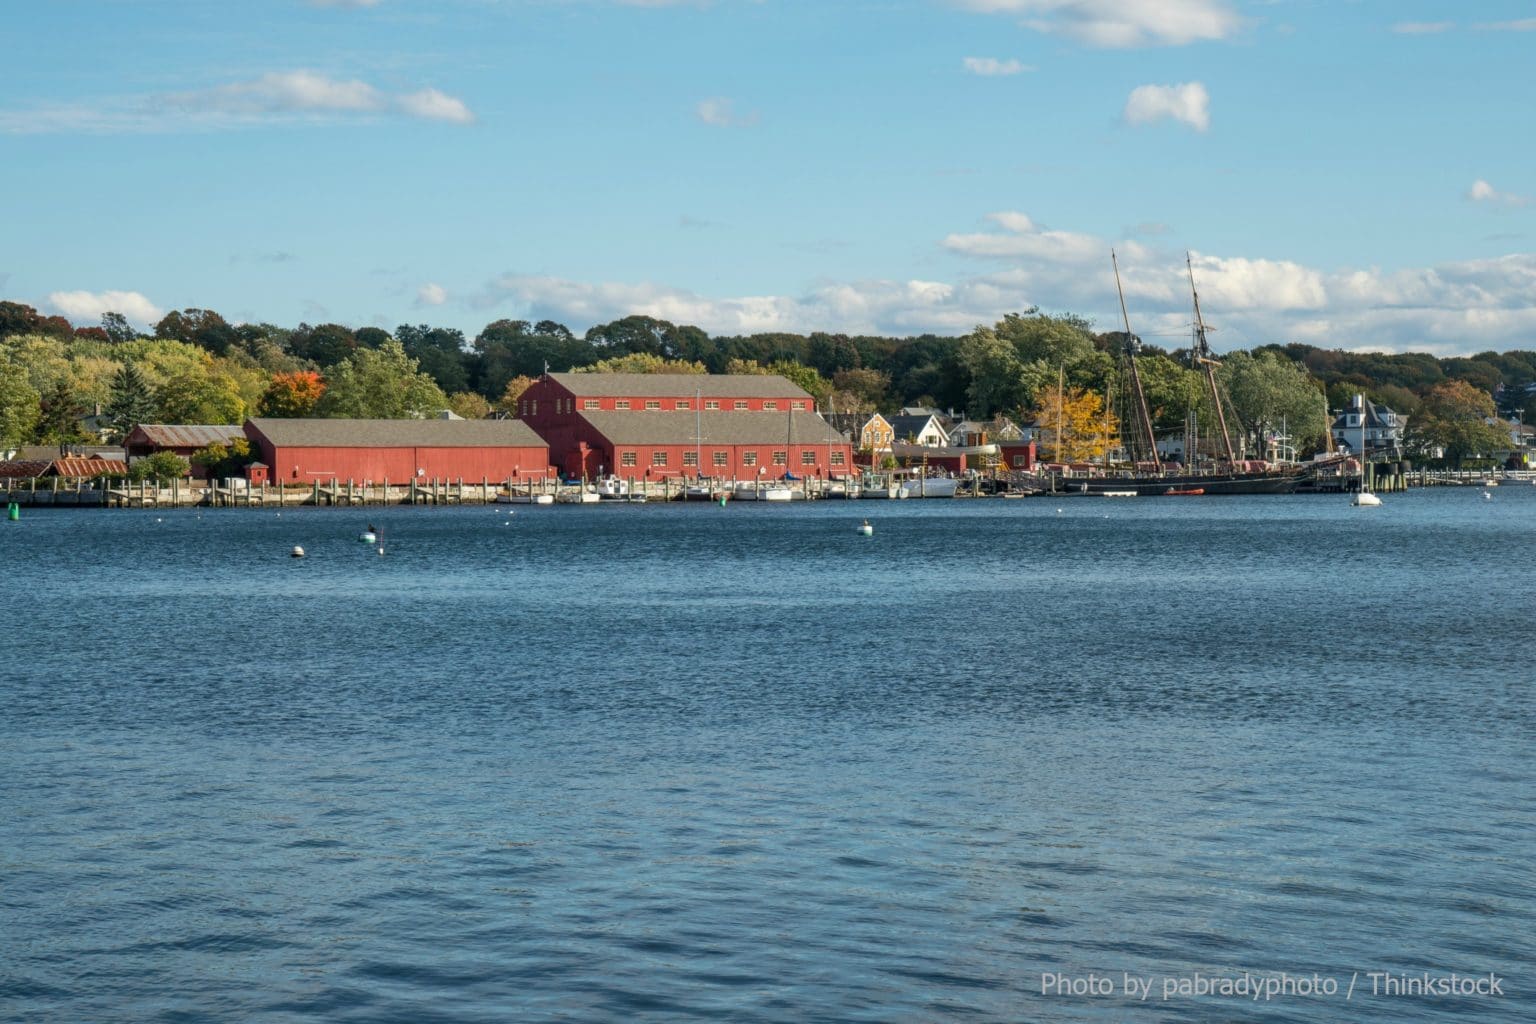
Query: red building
{"points": [[740, 427], [1018, 456], [377, 450], [179, 439]]}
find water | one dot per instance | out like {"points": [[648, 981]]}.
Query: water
{"points": [[686, 762]]}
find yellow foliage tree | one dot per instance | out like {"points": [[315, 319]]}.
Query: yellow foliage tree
{"points": [[1075, 427]]}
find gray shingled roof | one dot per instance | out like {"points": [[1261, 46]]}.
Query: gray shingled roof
{"points": [[713, 427], [323, 433], [677, 385]]}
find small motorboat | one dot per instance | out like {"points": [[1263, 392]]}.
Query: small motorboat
{"points": [[1185, 490]]}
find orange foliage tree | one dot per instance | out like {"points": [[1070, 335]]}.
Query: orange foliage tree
{"points": [[292, 395]]}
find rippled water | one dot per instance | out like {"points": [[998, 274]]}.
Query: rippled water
{"points": [[690, 762]]}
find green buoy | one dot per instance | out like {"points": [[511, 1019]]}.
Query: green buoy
{"points": [[13, 511]]}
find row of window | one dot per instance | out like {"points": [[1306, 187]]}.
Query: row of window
{"points": [[722, 458], [566, 405]]}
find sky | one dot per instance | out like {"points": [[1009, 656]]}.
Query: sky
{"points": [[1356, 175]]}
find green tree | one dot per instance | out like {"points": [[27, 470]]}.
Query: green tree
{"points": [[225, 461], [131, 401], [61, 414], [1269, 392], [642, 362], [380, 384], [201, 327], [161, 467], [118, 328], [201, 398], [20, 407]]}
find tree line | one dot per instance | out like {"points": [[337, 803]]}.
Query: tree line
{"points": [[194, 366]]}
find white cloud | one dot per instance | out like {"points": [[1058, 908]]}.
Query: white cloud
{"points": [[431, 105], [85, 308], [720, 112], [281, 92], [1423, 28], [277, 95], [1120, 24], [1522, 25], [431, 294], [1187, 102], [990, 66], [1482, 192], [1453, 308]]}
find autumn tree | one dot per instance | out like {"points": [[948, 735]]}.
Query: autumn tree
{"points": [[507, 403], [201, 327], [224, 461], [1075, 426], [469, 404], [291, 395], [1459, 418]]}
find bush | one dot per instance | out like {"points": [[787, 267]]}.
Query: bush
{"points": [[160, 467]]}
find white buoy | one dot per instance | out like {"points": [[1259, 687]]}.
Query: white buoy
{"points": [[866, 530], [1487, 496], [368, 537], [297, 552]]}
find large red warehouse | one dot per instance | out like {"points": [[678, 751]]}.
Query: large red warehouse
{"points": [[320, 449], [669, 425]]}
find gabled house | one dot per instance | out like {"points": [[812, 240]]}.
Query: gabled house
{"points": [[922, 429], [876, 434], [1383, 428]]}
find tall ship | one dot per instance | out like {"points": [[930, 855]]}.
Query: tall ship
{"points": [[1215, 468]]}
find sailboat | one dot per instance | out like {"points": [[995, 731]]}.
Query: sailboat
{"points": [[1151, 476], [1363, 498]]}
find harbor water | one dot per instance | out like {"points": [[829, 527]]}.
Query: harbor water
{"points": [[692, 762]]}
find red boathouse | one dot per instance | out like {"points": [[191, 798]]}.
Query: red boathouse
{"points": [[376, 450]]}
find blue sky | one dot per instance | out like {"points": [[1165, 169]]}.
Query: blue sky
{"points": [[1358, 175]]}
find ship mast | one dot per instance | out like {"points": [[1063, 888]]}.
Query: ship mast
{"points": [[1138, 396], [1208, 362]]}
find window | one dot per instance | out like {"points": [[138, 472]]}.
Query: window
{"points": [[1021, 462], [837, 458], [749, 458], [653, 405], [658, 458], [780, 458], [522, 407], [684, 404], [797, 405], [622, 403], [721, 458], [626, 458], [591, 403], [740, 405], [711, 404], [533, 407], [690, 458], [807, 458], [770, 406]]}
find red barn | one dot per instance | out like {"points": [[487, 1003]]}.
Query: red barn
{"points": [[683, 425], [319, 449], [179, 439], [1018, 456]]}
